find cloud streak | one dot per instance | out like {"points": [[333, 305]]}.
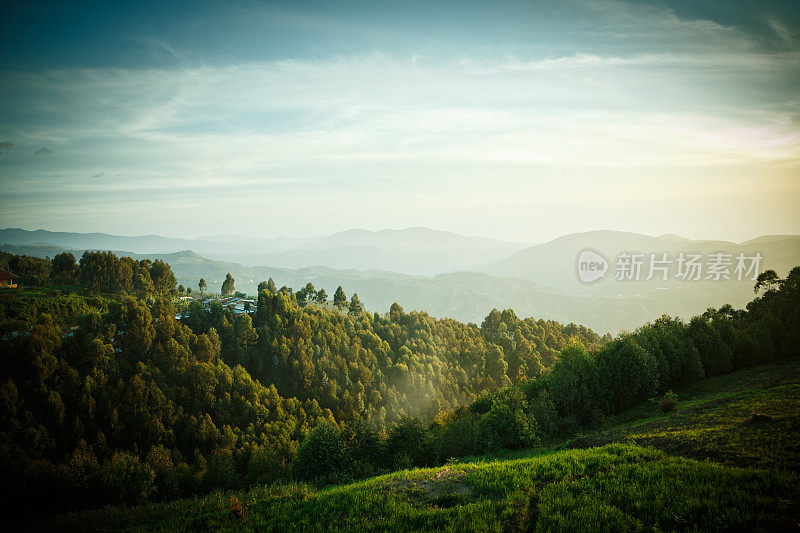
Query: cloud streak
{"points": [[697, 98], [42, 151]]}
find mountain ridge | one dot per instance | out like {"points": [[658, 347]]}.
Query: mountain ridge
{"points": [[414, 250]]}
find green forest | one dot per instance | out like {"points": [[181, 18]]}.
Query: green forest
{"points": [[116, 391]]}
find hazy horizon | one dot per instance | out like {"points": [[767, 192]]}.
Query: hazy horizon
{"points": [[397, 229], [517, 121]]}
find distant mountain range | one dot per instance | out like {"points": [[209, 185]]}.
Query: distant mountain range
{"points": [[413, 250], [539, 281], [145, 243], [554, 263]]}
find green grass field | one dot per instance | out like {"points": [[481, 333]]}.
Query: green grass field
{"points": [[714, 420], [707, 466]]}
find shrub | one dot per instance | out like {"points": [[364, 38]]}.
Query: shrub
{"points": [[321, 454], [129, 479], [572, 384], [507, 424], [669, 402], [458, 434], [236, 508], [362, 448], [544, 412], [408, 443]]}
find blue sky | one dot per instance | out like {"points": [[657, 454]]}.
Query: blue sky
{"points": [[515, 120]]}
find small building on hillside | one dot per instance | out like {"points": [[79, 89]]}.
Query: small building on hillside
{"points": [[8, 280], [238, 305]]}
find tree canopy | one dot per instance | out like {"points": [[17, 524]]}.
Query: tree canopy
{"points": [[106, 397]]}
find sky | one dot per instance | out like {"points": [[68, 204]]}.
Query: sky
{"points": [[520, 121]]}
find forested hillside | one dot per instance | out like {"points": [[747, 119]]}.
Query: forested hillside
{"points": [[108, 398]]}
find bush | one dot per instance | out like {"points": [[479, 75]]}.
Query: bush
{"points": [[321, 454], [458, 434], [544, 412], [572, 384], [669, 402], [129, 479], [362, 448], [508, 424], [408, 444]]}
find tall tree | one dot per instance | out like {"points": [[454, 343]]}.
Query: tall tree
{"points": [[322, 296], [268, 286], [355, 305], [227, 285], [310, 291], [162, 276], [340, 299], [766, 280], [202, 285], [64, 269], [302, 296], [395, 313]]}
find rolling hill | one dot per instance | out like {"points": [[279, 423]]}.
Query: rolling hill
{"points": [[411, 250], [539, 281], [465, 296], [554, 264]]}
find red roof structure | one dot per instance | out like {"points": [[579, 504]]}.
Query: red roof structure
{"points": [[6, 275]]}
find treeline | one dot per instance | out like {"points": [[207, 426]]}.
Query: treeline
{"points": [[134, 404], [580, 389], [99, 272], [382, 367]]}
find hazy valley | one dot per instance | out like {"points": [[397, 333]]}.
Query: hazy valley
{"points": [[537, 281]]}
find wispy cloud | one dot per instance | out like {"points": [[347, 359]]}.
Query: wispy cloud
{"points": [[692, 96], [158, 46], [785, 34], [42, 151], [260, 115]]}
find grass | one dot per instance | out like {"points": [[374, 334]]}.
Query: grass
{"points": [[714, 420], [615, 487], [706, 467]]}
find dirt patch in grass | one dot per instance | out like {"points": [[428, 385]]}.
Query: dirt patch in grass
{"points": [[443, 489]]}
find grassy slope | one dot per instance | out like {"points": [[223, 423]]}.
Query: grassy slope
{"points": [[713, 420], [618, 486]]}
